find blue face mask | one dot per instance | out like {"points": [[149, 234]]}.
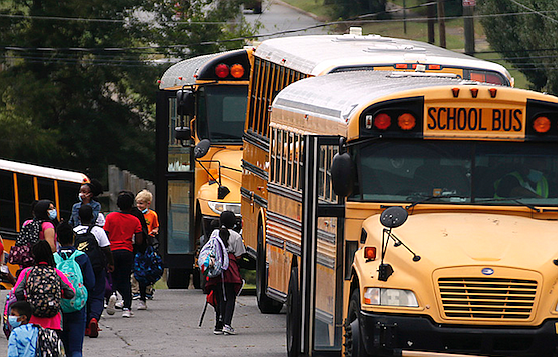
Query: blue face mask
{"points": [[52, 214], [145, 211], [12, 320], [80, 198]]}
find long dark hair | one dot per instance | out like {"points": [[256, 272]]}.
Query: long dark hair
{"points": [[227, 220], [43, 253], [41, 210]]}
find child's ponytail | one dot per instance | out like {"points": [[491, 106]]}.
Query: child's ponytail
{"points": [[224, 235]]}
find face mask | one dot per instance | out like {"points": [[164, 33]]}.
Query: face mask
{"points": [[534, 175], [145, 211], [80, 197], [12, 320], [52, 214]]}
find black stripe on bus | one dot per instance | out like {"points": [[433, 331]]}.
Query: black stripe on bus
{"points": [[284, 192], [264, 175], [253, 138]]}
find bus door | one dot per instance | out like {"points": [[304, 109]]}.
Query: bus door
{"points": [[175, 192], [322, 246]]}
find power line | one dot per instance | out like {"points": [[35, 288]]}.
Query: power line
{"points": [[534, 11]]}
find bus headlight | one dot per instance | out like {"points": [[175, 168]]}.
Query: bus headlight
{"points": [[220, 207], [390, 297]]}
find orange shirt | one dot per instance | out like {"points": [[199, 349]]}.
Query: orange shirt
{"points": [[151, 219]]}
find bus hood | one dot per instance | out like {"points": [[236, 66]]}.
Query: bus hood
{"points": [[230, 161], [458, 239]]}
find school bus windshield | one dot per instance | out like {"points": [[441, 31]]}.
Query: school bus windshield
{"points": [[221, 113], [484, 173]]}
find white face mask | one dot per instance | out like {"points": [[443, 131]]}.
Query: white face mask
{"points": [[534, 175], [52, 214]]}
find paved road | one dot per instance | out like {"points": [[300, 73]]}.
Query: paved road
{"points": [[170, 328], [278, 16]]}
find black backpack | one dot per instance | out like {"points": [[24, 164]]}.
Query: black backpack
{"points": [[87, 243]]}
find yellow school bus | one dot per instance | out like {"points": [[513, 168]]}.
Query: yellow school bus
{"points": [[201, 108], [414, 214], [278, 62], [22, 183]]}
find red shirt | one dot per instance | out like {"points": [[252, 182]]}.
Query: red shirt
{"points": [[120, 228]]}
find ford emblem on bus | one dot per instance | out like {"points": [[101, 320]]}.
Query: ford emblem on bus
{"points": [[487, 271]]}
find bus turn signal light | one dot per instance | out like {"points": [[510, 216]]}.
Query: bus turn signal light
{"points": [[370, 253], [237, 70], [541, 124], [455, 92], [406, 121], [382, 121], [222, 70]]}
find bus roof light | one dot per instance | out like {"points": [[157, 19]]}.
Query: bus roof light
{"points": [[222, 70], [541, 124], [370, 253], [406, 121], [401, 66], [382, 121], [492, 92], [474, 92], [237, 70], [434, 67], [455, 92]]}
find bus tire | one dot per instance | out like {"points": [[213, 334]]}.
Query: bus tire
{"points": [[353, 342], [178, 278], [293, 316], [265, 303]]}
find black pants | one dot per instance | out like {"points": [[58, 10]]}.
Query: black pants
{"points": [[226, 300], [123, 264]]}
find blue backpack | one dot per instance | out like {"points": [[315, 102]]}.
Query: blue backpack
{"points": [[68, 265], [148, 266], [213, 258]]}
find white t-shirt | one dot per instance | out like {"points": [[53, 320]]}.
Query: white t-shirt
{"points": [[236, 246], [97, 231]]}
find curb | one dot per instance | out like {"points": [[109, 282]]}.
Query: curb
{"points": [[314, 16]]}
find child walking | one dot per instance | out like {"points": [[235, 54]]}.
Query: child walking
{"points": [[23, 339]]}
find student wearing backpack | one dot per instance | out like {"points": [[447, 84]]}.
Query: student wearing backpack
{"points": [[93, 240], [227, 285], [42, 285], [124, 230], [23, 339], [77, 267]]}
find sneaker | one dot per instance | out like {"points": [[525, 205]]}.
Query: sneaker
{"points": [[93, 328], [228, 330], [111, 305], [119, 304], [149, 296], [135, 296], [217, 331], [142, 305], [87, 331], [127, 313]]}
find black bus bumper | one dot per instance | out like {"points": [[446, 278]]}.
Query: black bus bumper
{"points": [[387, 335]]}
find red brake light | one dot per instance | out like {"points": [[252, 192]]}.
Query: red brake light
{"points": [[406, 121], [541, 124], [401, 66], [382, 121], [434, 66], [222, 70], [237, 70], [370, 253]]}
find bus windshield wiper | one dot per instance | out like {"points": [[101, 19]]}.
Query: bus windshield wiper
{"points": [[443, 195], [516, 200]]}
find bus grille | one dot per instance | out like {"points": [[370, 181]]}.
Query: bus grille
{"points": [[487, 298]]}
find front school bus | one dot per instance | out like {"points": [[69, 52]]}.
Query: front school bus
{"points": [[412, 214], [201, 106]]}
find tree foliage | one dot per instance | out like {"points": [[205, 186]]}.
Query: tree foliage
{"points": [[79, 93], [350, 8], [528, 41]]}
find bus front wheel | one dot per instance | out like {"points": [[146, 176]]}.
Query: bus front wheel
{"points": [[353, 341], [178, 278], [293, 316], [265, 303]]}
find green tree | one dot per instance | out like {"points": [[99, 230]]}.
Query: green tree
{"points": [[350, 8], [528, 41], [79, 93]]}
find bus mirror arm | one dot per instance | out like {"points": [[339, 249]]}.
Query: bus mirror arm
{"points": [[222, 191]]}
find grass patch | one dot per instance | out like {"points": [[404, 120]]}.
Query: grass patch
{"points": [[316, 7]]}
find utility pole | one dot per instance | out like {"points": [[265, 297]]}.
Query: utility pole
{"points": [[442, 23], [431, 14], [404, 18], [469, 26]]}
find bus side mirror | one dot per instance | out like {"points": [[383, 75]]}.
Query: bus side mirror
{"points": [[342, 174], [185, 102], [182, 133], [201, 148], [393, 217]]}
